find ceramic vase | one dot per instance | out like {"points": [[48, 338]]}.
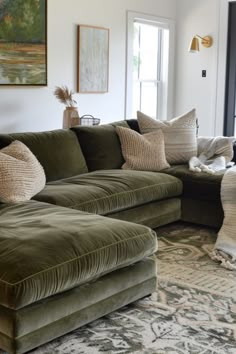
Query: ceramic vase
{"points": [[70, 117]]}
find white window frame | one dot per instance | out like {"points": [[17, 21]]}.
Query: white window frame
{"points": [[165, 110]]}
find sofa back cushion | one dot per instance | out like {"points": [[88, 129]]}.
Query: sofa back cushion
{"points": [[133, 124], [58, 151], [101, 145]]}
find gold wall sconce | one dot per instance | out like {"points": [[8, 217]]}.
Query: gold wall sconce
{"points": [[206, 41]]}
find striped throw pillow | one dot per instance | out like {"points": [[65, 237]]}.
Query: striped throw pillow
{"points": [[21, 175], [142, 152], [180, 135]]}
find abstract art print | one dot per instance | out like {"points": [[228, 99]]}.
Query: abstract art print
{"points": [[23, 42], [93, 59]]}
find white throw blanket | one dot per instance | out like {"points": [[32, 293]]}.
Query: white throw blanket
{"points": [[225, 247], [215, 154]]}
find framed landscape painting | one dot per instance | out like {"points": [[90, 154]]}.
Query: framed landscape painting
{"points": [[23, 42], [93, 59]]}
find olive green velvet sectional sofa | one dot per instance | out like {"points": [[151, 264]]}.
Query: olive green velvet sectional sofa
{"points": [[83, 246]]}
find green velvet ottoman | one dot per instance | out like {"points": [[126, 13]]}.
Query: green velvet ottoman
{"points": [[61, 268]]}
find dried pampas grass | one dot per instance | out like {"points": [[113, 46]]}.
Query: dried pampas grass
{"points": [[65, 96]]}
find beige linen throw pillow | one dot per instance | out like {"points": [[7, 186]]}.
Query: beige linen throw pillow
{"points": [[142, 152], [21, 175], [179, 135]]}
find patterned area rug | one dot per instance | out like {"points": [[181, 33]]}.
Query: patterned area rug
{"points": [[194, 311]]}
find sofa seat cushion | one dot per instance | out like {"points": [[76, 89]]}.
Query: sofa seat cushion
{"points": [[104, 192], [47, 249], [200, 185]]}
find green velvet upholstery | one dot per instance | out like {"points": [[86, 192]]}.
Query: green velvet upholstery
{"points": [[203, 212], [58, 151], [108, 191], [201, 200], [35, 324], [133, 124], [101, 146], [197, 185], [61, 267], [58, 249], [153, 214]]}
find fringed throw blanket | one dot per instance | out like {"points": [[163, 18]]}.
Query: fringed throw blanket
{"points": [[225, 247], [215, 154]]}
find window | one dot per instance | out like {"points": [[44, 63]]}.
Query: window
{"points": [[147, 53], [148, 66]]}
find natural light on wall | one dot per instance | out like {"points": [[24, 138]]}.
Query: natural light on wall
{"points": [[147, 67]]}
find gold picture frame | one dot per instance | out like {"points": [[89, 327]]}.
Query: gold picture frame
{"points": [[23, 43]]}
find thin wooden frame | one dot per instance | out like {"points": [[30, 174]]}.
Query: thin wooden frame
{"points": [[23, 43], [92, 59]]}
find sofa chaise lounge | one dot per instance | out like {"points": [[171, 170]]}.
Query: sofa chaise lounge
{"points": [[83, 246]]}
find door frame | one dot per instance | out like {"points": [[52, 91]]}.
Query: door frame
{"points": [[221, 72], [229, 124]]}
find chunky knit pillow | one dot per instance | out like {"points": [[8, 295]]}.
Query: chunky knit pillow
{"points": [[179, 134], [142, 152], [21, 175]]}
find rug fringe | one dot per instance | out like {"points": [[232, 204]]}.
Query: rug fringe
{"points": [[224, 259]]}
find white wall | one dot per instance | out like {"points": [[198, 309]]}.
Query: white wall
{"points": [[197, 17], [35, 108]]}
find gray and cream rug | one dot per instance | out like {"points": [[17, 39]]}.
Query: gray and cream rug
{"points": [[194, 311]]}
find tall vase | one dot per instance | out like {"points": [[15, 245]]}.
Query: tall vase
{"points": [[70, 117]]}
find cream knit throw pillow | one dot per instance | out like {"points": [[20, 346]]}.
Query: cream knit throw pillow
{"points": [[21, 175], [142, 152], [179, 134]]}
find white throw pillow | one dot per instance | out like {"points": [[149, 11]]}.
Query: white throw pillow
{"points": [[142, 152], [179, 135], [21, 175]]}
